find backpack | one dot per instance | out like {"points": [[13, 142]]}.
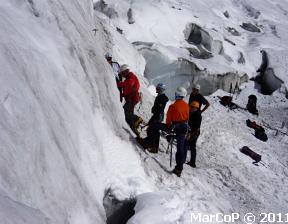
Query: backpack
{"points": [[227, 102], [249, 152], [259, 130], [261, 135], [251, 105], [252, 124]]}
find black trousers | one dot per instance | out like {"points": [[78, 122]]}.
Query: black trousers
{"points": [[153, 133], [192, 146], [130, 117]]}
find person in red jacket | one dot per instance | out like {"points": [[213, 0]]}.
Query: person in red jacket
{"points": [[177, 119], [130, 92]]}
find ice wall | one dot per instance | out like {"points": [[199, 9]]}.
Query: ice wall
{"points": [[60, 144]]}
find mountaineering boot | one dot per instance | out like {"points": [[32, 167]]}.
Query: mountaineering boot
{"points": [[177, 172], [141, 142], [137, 122], [191, 164], [135, 125], [137, 133]]}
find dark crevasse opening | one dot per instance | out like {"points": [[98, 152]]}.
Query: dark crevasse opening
{"points": [[118, 211], [270, 82]]}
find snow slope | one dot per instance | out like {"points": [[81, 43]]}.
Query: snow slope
{"points": [[225, 180]]}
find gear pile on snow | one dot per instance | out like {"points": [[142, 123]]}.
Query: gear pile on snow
{"points": [[226, 101], [259, 130]]}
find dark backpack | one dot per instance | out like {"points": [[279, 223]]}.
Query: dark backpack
{"points": [[261, 135], [249, 152], [251, 105], [252, 124], [259, 130], [227, 102]]}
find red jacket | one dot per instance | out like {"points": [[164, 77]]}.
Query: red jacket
{"points": [[130, 88]]}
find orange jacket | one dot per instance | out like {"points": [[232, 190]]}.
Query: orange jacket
{"points": [[177, 112]]}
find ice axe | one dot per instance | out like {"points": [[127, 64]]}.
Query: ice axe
{"points": [[170, 138]]}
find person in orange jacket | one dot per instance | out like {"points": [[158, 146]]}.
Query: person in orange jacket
{"points": [[177, 119], [130, 91]]}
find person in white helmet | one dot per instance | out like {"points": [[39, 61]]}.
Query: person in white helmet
{"points": [[131, 95], [151, 142], [115, 66], [159, 104], [198, 97], [177, 118], [116, 70]]}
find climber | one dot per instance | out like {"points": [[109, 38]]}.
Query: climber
{"points": [[195, 119], [131, 95], [151, 142], [196, 96], [177, 120], [115, 66], [159, 104], [116, 70]]}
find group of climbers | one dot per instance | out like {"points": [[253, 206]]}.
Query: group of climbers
{"points": [[183, 119], [186, 121]]}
